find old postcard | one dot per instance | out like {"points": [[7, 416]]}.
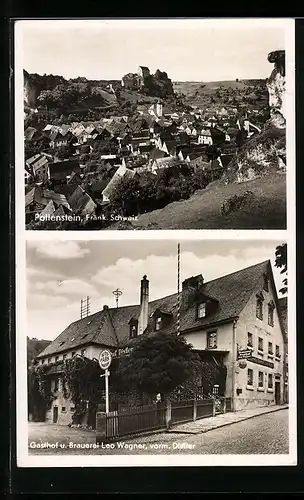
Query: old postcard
{"points": [[154, 124], [177, 345]]}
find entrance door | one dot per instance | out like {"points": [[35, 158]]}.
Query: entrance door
{"points": [[277, 393], [55, 414]]}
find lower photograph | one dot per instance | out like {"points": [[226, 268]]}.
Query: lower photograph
{"points": [[142, 350]]}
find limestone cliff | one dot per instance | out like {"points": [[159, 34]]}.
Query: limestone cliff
{"points": [[30, 91], [265, 152], [276, 88]]}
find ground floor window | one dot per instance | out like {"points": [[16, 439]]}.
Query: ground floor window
{"points": [[270, 381], [261, 380], [249, 376]]}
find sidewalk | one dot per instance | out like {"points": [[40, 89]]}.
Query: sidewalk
{"points": [[207, 424]]}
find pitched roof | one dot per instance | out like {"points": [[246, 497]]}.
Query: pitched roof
{"points": [[230, 292], [43, 196]]}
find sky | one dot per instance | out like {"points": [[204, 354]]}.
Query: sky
{"points": [[61, 273], [188, 50]]}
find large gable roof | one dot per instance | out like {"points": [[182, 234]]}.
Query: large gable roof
{"points": [[110, 327]]}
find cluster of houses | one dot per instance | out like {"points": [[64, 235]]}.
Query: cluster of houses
{"points": [[222, 319], [156, 138]]}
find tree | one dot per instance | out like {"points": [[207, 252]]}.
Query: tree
{"points": [[281, 262], [158, 364]]}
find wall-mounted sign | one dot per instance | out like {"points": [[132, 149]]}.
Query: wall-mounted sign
{"points": [[244, 354]]}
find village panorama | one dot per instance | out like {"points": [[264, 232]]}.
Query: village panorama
{"points": [[148, 153]]}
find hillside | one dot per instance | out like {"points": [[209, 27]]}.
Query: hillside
{"points": [[253, 94], [265, 209], [34, 347]]}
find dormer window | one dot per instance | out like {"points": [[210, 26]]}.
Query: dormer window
{"points": [[158, 323], [133, 323], [133, 331], [201, 310]]}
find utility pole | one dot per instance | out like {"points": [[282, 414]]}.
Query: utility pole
{"points": [[178, 289]]}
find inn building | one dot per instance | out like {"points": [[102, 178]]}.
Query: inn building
{"points": [[235, 320]]}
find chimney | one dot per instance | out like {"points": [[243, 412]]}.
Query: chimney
{"points": [[144, 304], [105, 308], [190, 288]]}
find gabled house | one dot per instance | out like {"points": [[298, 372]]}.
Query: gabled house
{"points": [[222, 318]]}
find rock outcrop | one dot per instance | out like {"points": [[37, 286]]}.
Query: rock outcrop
{"points": [[265, 152], [30, 91], [276, 88]]}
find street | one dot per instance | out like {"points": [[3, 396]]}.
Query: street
{"points": [[264, 434]]}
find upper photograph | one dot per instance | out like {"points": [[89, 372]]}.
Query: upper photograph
{"points": [[153, 124]]}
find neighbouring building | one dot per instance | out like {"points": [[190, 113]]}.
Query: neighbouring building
{"points": [[222, 319]]}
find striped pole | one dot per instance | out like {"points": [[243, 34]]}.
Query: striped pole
{"points": [[178, 288]]}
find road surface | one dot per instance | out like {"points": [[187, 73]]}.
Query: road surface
{"points": [[264, 434]]}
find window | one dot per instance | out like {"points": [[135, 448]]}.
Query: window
{"points": [[63, 409], [270, 314], [261, 380], [42, 362], [250, 377], [61, 343], [249, 339], [85, 335], [49, 360], [56, 358], [72, 408], [259, 308], [56, 385], [158, 323], [73, 353], [270, 381], [64, 357], [211, 340], [260, 344], [201, 310], [265, 283], [270, 349], [277, 351], [133, 331], [72, 339], [83, 352]]}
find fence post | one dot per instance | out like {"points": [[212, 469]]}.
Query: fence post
{"points": [[213, 407], [194, 409], [168, 413], [224, 406]]}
